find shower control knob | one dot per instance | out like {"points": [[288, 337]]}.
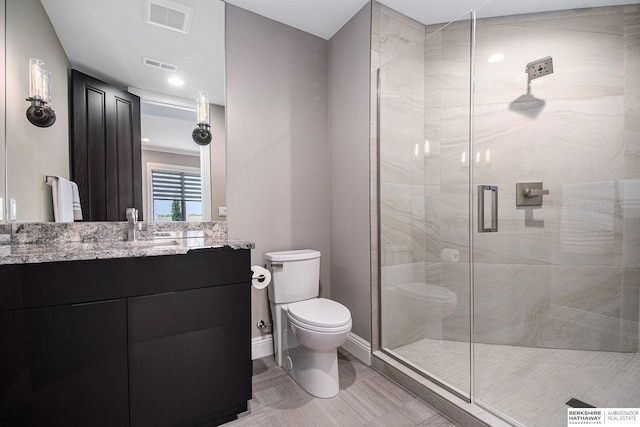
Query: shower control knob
{"points": [[529, 192]]}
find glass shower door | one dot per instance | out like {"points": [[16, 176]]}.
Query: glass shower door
{"points": [[423, 107], [556, 289]]}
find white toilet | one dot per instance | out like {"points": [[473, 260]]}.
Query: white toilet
{"points": [[307, 330]]}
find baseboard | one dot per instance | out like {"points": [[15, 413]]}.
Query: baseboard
{"points": [[261, 346], [359, 347]]}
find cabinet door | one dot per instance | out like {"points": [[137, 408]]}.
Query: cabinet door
{"points": [[105, 148], [190, 355], [64, 365]]}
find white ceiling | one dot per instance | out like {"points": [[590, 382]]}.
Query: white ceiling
{"points": [[108, 38], [322, 18]]}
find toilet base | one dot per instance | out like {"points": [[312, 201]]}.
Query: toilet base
{"points": [[315, 371]]}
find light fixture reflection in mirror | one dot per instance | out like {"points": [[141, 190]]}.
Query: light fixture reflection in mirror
{"points": [[40, 113], [202, 134]]}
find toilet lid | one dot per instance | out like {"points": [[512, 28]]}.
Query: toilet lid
{"points": [[320, 312]]}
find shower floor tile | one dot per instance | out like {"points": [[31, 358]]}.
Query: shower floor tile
{"points": [[531, 385]]}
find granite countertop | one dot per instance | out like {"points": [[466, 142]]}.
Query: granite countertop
{"points": [[43, 242], [76, 251]]}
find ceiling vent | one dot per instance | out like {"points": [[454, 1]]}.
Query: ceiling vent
{"points": [[159, 64], [168, 14]]}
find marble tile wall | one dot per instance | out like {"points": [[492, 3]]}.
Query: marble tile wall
{"points": [[565, 275]]}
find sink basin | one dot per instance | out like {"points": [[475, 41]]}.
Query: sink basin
{"points": [[160, 243]]}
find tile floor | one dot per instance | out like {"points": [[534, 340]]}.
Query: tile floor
{"points": [[366, 398], [531, 385]]}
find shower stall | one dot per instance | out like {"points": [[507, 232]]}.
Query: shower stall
{"points": [[508, 217]]}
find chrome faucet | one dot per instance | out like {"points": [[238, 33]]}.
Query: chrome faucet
{"points": [[132, 224]]}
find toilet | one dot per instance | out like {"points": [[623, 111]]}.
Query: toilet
{"points": [[307, 330]]}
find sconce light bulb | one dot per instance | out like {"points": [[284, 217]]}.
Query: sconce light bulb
{"points": [[202, 108], [35, 78]]}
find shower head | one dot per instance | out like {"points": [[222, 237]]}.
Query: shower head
{"points": [[539, 68]]}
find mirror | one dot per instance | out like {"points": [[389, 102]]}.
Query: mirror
{"points": [[137, 45]]}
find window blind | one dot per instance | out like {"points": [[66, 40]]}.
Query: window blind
{"points": [[176, 186]]}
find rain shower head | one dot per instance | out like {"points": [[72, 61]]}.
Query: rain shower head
{"points": [[539, 68]]}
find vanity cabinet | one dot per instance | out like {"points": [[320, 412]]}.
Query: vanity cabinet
{"points": [[184, 350], [162, 340], [64, 365]]}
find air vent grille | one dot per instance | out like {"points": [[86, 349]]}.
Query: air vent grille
{"points": [[159, 64], [170, 15]]}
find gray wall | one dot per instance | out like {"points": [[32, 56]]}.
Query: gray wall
{"points": [[217, 162], [277, 153], [2, 110], [349, 70], [34, 152]]}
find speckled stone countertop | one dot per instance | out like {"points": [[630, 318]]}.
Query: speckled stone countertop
{"points": [[23, 243]]}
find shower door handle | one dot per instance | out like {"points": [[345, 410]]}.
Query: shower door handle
{"points": [[487, 215]]}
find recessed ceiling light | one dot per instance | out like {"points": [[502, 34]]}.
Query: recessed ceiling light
{"points": [[496, 57], [145, 139], [176, 81]]}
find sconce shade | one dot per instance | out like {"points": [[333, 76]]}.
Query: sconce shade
{"points": [[202, 108], [39, 113], [202, 134], [36, 79]]}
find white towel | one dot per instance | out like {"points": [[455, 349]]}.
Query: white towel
{"points": [[66, 200], [77, 209]]}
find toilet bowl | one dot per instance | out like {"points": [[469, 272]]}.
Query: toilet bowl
{"points": [[307, 330], [319, 324]]}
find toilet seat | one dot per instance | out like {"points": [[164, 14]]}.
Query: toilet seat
{"points": [[319, 314]]}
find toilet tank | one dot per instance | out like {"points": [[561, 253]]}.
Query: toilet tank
{"points": [[295, 275]]}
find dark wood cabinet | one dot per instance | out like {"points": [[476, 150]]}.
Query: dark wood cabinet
{"points": [[135, 341], [65, 365], [105, 148], [181, 346]]}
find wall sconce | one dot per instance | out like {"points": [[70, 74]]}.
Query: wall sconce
{"points": [[202, 134], [40, 112]]}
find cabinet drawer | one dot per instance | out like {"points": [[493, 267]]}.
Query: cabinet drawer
{"points": [[69, 282]]}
